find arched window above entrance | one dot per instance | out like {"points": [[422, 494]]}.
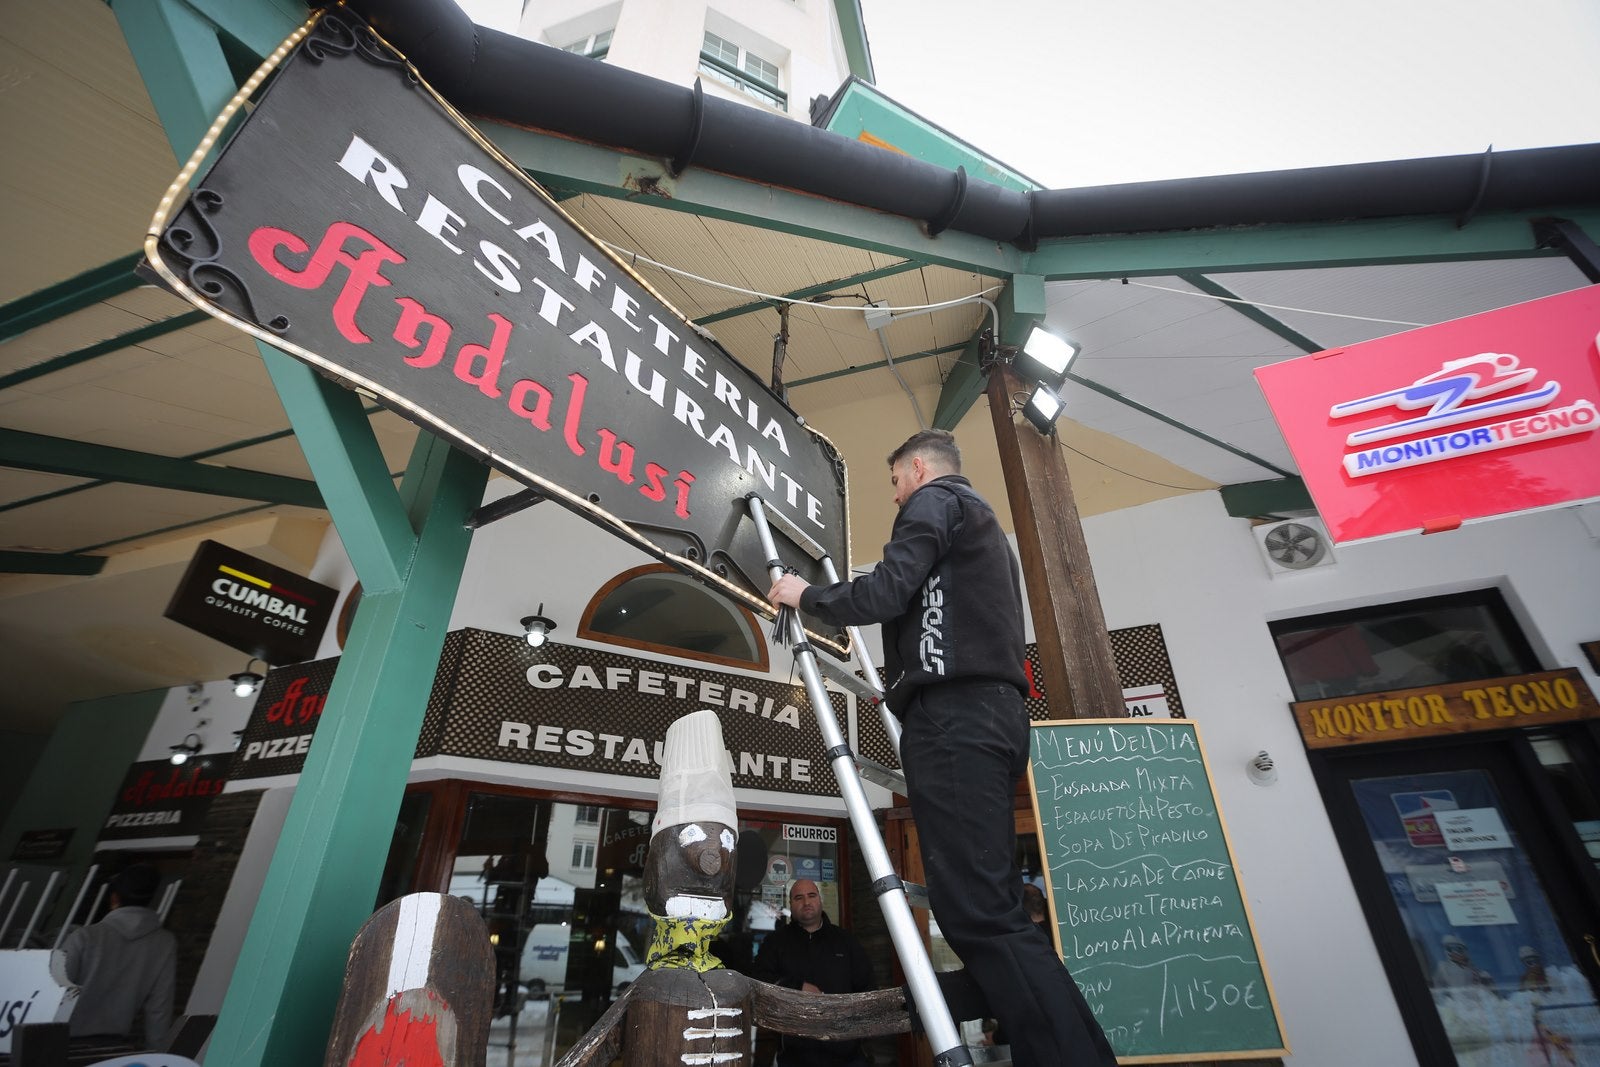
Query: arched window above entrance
{"points": [[659, 610]]}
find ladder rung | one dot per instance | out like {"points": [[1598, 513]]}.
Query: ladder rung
{"points": [[848, 679], [804, 541], [878, 774]]}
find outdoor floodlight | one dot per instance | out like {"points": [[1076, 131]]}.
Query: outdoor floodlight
{"points": [[537, 628], [1046, 357], [1042, 408]]}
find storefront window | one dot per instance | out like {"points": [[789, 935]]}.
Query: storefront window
{"points": [[1433, 641], [400, 869], [1575, 789], [1479, 920], [561, 891], [772, 855], [657, 609]]}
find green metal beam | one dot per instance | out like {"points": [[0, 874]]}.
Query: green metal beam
{"points": [[174, 28], [1106, 390], [1251, 312], [103, 348], [79, 459], [339, 444], [820, 289], [617, 175], [63, 298], [49, 563], [205, 453], [899, 361], [260, 25], [1420, 239], [1021, 306], [329, 859], [1270, 497]]}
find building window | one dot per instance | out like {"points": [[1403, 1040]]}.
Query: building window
{"points": [[742, 69], [589, 814], [1433, 641], [583, 855], [656, 609], [595, 46]]}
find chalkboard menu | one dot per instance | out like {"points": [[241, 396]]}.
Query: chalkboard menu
{"points": [[1150, 915]]}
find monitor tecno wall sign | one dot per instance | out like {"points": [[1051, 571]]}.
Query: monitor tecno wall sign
{"points": [[385, 242], [249, 604]]}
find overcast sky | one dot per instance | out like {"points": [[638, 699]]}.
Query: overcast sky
{"points": [[1089, 92]]}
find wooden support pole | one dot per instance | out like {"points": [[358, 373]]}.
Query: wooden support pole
{"points": [[1080, 672]]}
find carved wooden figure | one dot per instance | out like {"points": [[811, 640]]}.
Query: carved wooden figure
{"points": [[418, 988], [686, 1009]]}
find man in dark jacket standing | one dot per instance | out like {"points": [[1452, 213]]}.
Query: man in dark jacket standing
{"points": [[949, 598], [813, 955]]}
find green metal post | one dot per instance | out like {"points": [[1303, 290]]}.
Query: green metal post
{"points": [[1021, 306], [323, 880], [409, 550]]}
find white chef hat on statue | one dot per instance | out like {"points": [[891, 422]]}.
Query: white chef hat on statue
{"points": [[696, 774]]}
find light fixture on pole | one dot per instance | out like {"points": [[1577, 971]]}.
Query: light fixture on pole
{"points": [[1046, 358], [537, 627], [1042, 408], [1043, 359], [189, 746], [247, 681]]}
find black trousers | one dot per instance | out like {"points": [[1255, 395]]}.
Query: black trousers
{"points": [[964, 746]]}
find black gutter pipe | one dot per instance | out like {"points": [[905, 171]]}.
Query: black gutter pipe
{"points": [[505, 78]]}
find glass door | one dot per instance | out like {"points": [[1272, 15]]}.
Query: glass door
{"points": [[1467, 869]]}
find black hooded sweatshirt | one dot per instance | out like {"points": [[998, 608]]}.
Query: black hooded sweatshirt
{"points": [[947, 592]]}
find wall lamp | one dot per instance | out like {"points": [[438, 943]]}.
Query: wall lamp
{"points": [[189, 746], [537, 628], [247, 681]]}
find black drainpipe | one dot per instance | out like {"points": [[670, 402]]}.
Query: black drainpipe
{"points": [[504, 78]]}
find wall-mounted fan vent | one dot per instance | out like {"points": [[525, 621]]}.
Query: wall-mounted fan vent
{"points": [[1294, 545]]}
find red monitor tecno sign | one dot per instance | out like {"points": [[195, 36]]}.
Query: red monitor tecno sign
{"points": [[1469, 419]]}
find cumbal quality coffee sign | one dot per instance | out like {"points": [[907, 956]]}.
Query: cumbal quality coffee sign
{"points": [[358, 223]]}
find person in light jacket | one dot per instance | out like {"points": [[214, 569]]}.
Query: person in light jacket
{"points": [[124, 965]]}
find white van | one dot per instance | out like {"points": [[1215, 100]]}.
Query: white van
{"points": [[546, 952], [544, 958]]}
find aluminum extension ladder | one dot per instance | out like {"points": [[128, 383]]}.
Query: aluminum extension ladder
{"points": [[848, 770]]}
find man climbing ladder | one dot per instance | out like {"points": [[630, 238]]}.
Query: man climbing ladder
{"points": [[949, 599]]}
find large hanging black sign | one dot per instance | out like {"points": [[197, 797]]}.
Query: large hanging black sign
{"points": [[358, 223]]}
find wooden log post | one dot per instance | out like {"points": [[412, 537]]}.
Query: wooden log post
{"points": [[1069, 625], [1075, 657], [419, 987]]}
